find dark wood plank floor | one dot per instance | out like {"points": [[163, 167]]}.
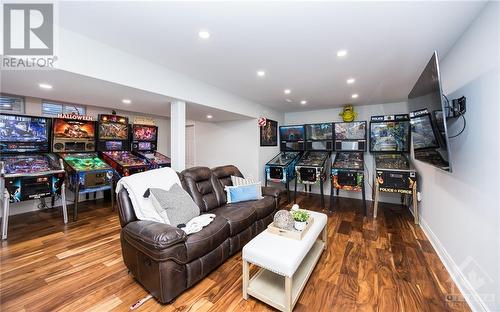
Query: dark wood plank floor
{"points": [[370, 265]]}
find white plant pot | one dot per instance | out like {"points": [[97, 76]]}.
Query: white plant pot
{"points": [[300, 226]]}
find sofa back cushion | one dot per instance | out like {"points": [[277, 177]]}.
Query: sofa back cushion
{"points": [[223, 175], [203, 187]]}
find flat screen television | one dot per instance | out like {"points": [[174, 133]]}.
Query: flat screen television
{"points": [[428, 122]]}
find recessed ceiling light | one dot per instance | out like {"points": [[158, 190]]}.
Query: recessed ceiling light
{"points": [[261, 73], [303, 102], [45, 86], [355, 96], [203, 34], [287, 91], [126, 101], [341, 53], [350, 80], [288, 100], [210, 116]]}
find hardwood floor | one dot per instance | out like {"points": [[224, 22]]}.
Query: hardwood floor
{"points": [[370, 265]]}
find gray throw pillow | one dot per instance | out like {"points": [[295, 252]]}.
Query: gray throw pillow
{"points": [[175, 206]]}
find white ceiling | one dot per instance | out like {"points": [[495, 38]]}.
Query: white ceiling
{"points": [[388, 44], [78, 89]]}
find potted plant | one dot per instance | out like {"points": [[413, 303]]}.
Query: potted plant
{"points": [[300, 217]]}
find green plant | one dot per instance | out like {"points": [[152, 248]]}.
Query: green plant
{"points": [[300, 215]]}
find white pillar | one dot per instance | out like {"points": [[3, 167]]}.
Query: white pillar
{"points": [[178, 135]]}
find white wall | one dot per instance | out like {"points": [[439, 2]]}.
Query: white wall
{"points": [[460, 211], [234, 143], [364, 113], [33, 106]]}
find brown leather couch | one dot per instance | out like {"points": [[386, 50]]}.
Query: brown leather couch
{"points": [[165, 260]]}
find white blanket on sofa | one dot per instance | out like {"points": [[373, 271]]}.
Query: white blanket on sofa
{"points": [[137, 184]]}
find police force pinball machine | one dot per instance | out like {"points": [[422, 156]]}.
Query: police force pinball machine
{"points": [[281, 168], [312, 168], [390, 142], [74, 139], [28, 170], [348, 166]]}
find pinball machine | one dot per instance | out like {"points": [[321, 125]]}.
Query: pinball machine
{"points": [[114, 145], [312, 168], [348, 167], [390, 143], [28, 170], [144, 145], [281, 168], [73, 137]]}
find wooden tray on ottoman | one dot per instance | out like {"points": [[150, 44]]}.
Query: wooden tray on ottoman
{"points": [[293, 234]]}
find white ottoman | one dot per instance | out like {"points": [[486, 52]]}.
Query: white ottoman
{"points": [[285, 263]]}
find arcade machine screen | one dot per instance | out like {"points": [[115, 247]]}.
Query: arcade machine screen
{"points": [[144, 133], [319, 136], [292, 138], [73, 129], [355, 130], [113, 131], [390, 136], [24, 133]]}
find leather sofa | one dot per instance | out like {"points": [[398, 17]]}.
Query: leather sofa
{"points": [[166, 261]]}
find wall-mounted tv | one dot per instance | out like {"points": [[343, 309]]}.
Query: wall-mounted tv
{"points": [[429, 123]]}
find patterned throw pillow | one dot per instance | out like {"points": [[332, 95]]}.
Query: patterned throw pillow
{"points": [[237, 181], [175, 206]]}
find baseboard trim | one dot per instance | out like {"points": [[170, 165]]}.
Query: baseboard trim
{"points": [[475, 301]]}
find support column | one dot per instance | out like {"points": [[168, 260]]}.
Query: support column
{"points": [[178, 135]]}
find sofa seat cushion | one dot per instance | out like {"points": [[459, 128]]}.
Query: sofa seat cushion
{"points": [[209, 238], [263, 207], [240, 216]]}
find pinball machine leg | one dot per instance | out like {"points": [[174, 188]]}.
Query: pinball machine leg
{"points": [[112, 196], [321, 184], [75, 204], [287, 187], [331, 196], [375, 203], [5, 215], [295, 192], [415, 204], [363, 194], [63, 200]]}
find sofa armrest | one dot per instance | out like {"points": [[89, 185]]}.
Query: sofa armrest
{"points": [[271, 191], [154, 235]]}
